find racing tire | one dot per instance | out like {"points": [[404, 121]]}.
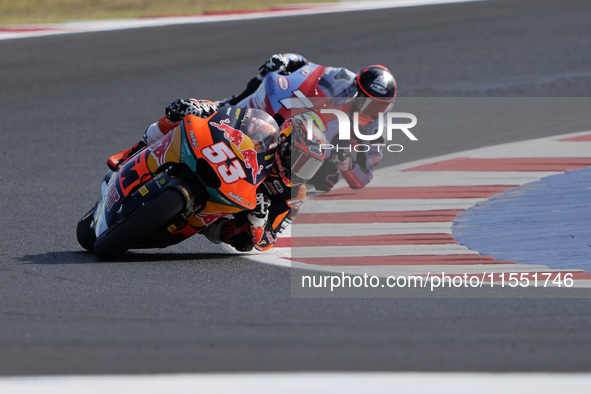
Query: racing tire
{"points": [[141, 224], [84, 233]]}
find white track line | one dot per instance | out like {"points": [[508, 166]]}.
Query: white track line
{"points": [[454, 178], [357, 229], [424, 270], [419, 204], [296, 383], [543, 149], [380, 250]]}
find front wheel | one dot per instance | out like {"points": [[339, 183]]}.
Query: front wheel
{"points": [[84, 233], [141, 224]]}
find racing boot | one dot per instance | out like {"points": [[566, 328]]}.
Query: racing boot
{"points": [[227, 231], [152, 134]]}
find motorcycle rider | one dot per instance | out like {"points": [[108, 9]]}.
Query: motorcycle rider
{"points": [[279, 196], [372, 91]]}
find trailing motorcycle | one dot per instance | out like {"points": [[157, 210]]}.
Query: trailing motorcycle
{"points": [[201, 171]]}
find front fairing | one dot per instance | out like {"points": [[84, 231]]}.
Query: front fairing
{"points": [[227, 159], [240, 159], [108, 193], [131, 176]]}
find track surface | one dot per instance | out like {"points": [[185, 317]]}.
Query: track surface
{"points": [[68, 102]]}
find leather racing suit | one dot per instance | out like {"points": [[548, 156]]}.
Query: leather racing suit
{"points": [[339, 85]]}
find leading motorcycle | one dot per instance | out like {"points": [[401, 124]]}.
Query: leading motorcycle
{"points": [[201, 171]]}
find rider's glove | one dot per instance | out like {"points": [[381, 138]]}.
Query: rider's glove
{"points": [[327, 177], [177, 110], [276, 63], [343, 160]]}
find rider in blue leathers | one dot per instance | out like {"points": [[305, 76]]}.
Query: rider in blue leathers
{"points": [[372, 89]]}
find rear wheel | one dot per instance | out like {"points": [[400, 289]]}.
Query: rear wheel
{"points": [[141, 224]]}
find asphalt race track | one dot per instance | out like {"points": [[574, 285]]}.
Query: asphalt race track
{"points": [[70, 101]]}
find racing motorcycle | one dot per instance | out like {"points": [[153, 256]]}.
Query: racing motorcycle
{"points": [[201, 171]]}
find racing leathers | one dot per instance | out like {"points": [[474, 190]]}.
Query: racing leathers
{"points": [[338, 84], [277, 204]]}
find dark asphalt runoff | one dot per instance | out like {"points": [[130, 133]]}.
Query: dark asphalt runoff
{"points": [[68, 102]]}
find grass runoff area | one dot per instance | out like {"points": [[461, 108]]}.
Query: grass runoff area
{"points": [[57, 11]]}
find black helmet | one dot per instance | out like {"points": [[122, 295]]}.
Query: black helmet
{"points": [[376, 89], [299, 153]]}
